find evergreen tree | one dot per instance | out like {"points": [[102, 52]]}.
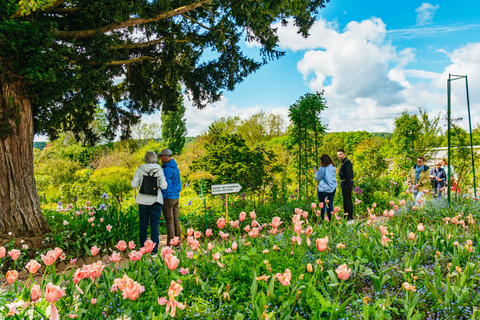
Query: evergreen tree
{"points": [[174, 128]]}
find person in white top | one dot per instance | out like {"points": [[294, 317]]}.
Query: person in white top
{"points": [[149, 206]]}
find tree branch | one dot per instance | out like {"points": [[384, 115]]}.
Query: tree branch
{"points": [[136, 45], [121, 62], [201, 25], [84, 34], [18, 14]]}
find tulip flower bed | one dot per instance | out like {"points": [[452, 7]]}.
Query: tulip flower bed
{"points": [[413, 265]]}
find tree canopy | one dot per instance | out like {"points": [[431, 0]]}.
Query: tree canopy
{"points": [[69, 55]]}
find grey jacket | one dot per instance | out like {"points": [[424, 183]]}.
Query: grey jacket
{"points": [[147, 199]]}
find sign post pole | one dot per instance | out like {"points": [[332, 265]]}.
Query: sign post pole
{"points": [[226, 189]]}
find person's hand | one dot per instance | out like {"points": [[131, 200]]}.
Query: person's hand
{"points": [[315, 170], [432, 177], [415, 187], [438, 179]]}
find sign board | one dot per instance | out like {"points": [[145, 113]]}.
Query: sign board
{"points": [[226, 188]]}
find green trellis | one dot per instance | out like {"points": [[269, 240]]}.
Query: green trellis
{"points": [[451, 78]]}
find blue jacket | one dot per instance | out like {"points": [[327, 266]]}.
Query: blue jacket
{"points": [[326, 179], [172, 174]]}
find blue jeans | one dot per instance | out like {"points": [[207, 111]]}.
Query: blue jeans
{"points": [[321, 198], [149, 213]]}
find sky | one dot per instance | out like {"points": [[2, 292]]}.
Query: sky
{"points": [[373, 59]]}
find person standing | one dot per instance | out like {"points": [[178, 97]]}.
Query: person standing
{"points": [[346, 178], [419, 178], [149, 206], [327, 184], [438, 176], [453, 177], [171, 195]]}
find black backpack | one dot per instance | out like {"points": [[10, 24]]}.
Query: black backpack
{"points": [[149, 184]]}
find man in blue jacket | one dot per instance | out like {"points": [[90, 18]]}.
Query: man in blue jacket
{"points": [[171, 195]]}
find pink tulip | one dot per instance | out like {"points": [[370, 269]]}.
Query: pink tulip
{"points": [[420, 227], [115, 257], [322, 244], [197, 234], [392, 203], [320, 205], [53, 293], [94, 250], [401, 202], [411, 236], [122, 245], [247, 228], [336, 209], [131, 245], [132, 291], [109, 228], [383, 230], [113, 288], [414, 208], [223, 235], [194, 245], [33, 266], [167, 251], [82, 273], [374, 205], [318, 213], [235, 224], [343, 272], [50, 258], [309, 231], [297, 228], [313, 205], [175, 241], [58, 252], [135, 255], [3, 252], [123, 282], [228, 250], [254, 233], [391, 213], [189, 254], [419, 201], [172, 262], [149, 246], [11, 276], [242, 216], [93, 301], [253, 215], [216, 257], [208, 233], [35, 292], [190, 232], [234, 246], [14, 253], [254, 223], [221, 223], [96, 269], [284, 278], [385, 241], [209, 246], [395, 207], [184, 271]]}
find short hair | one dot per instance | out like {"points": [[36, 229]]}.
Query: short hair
{"points": [[166, 153], [151, 157], [421, 158], [341, 150], [445, 160], [326, 160]]}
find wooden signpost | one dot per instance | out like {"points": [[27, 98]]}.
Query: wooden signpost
{"points": [[226, 189]]}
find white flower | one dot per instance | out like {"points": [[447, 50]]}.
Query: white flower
{"points": [[10, 233], [22, 241], [25, 246], [65, 222]]}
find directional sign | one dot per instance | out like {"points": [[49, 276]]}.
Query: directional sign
{"points": [[226, 188]]}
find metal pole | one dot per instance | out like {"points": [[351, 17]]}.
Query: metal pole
{"points": [[471, 140], [449, 141]]}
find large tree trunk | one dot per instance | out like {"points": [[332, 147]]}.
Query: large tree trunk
{"points": [[20, 211]]}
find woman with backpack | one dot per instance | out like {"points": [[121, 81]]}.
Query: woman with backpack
{"points": [[149, 177]]}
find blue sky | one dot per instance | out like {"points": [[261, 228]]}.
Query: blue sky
{"points": [[374, 59]]}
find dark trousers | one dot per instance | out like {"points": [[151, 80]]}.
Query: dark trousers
{"points": [[347, 187], [170, 212], [150, 214], [321, 198]]}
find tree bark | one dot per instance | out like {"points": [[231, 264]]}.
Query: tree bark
{"points": [[20, 211]]}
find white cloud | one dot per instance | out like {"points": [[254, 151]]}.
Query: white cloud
{"points": [[367, 80], [425, 13]]}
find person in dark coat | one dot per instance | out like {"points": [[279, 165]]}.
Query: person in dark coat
{"points": [[438, 176], [346, 179]]}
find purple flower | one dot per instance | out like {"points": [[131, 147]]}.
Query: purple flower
{"points": [[358, 191]]}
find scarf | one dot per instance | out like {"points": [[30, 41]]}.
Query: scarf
{"points": [[417, 173]]}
